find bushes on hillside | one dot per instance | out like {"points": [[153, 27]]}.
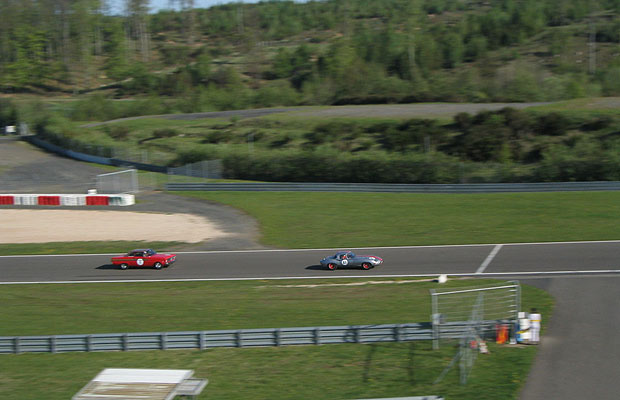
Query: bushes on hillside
{"points": [[309, 166]]}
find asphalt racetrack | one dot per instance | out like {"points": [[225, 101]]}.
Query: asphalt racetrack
{"points": [[512, 260], [579, 349]]}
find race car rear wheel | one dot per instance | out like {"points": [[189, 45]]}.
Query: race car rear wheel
{"points": [[157, 265], [124, 266], [332, 266], [366, 266]]}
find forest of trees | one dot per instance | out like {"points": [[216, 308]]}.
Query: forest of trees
{"points": [[317, 52], [96, 65]]}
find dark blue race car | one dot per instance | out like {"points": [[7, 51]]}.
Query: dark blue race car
{"points": [[349, 259]]}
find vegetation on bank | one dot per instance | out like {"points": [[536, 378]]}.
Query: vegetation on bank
{"points": [[507, 145]]}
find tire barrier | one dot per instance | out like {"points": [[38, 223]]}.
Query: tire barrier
{"points": [[67, 199]]}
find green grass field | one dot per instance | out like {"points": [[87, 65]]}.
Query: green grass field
{"points": [[318, 220], [302, 220], [321, 372]]}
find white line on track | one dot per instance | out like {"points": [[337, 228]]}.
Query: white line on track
{"points": [[530, 273], [489, 258], [332, 249]]}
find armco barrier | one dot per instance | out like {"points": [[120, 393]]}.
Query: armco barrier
{"points": [[68, 199], [398, 188], [230, 338]]}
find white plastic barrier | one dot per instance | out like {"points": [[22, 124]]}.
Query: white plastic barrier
{"points": [[122, 200], [25, 199], [67, 199], [73, 200]]}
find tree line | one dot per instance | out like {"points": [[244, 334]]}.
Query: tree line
{"points": [[319, 52]]}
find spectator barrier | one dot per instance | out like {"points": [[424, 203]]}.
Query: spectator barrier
{"points": [[67, 199]]}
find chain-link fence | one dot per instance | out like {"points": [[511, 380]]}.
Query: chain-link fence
{"points": [[208, 169]]}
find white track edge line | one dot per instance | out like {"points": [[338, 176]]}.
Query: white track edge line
{"points": [[491, 274]]}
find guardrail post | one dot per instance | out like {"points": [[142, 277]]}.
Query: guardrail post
{"points": [[397, 333], [317, 335], [89, 343], [162, 341], [125, 342], [239, 338], [276, 337], [53, 344], [201, 340], [356, 334], [17, 349]]}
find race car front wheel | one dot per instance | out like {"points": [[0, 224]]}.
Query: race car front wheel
{"points": [[332, 266], [366, 266], [157, 265]]}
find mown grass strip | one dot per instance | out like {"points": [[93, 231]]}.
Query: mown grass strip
{"points": [[120, 247], [174, 306]]}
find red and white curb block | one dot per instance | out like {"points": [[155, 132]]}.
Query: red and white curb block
{"points": [[67, 199]]}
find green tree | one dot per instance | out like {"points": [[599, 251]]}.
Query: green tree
{"points": [[30, 64]]}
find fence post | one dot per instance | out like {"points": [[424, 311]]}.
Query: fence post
{"points": [[17, 349], [125, 342], [53, 344], [89, 343], [356, 334], [239, 339], [434, 319], [317, 335], [162, 341]]}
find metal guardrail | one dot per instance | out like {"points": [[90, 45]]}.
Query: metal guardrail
{"points": [[227, 338], [398, 188]]}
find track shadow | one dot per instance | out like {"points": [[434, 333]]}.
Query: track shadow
{"points": [[108, 266], [317, 268]]}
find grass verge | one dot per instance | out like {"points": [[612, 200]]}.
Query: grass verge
{"points": [[321, 372], [120, 247]]}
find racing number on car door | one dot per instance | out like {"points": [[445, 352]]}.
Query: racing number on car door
{"points": [[140, 262]]}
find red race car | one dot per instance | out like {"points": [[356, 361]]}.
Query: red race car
{"points": [[144, 258]]}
